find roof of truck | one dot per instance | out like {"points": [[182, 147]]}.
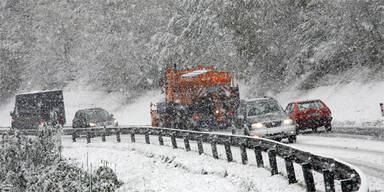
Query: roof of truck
{"points": [[33, 92], [194, 73]]}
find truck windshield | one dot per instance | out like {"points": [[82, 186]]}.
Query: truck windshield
{"points": [[256, 108]]}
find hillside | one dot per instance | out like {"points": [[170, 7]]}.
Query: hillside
{"points": [[124, 46]]}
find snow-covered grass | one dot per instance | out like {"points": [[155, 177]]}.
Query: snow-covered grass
{"points": [[355, 104], [151, 167]]}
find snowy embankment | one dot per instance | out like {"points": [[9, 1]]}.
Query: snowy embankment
{"points": [[353, 104], [145, 167]]}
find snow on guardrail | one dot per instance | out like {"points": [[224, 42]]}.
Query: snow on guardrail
{"points": [[350, 177]]}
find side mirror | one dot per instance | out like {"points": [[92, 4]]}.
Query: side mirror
{"points": [[11, 113], [112, 115]]}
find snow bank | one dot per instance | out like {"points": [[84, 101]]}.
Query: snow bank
{"points": [[135, 113], [5, 118], [153, 168], [351, 104]]}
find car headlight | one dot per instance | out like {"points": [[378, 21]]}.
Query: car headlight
{"points": [[257, 125], [115, 122], [92, 124], [287, 122]]}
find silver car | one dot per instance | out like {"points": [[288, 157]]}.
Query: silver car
{"points": [[266, 118]]}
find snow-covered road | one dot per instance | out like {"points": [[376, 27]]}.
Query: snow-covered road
{"points": [[366, 154]]}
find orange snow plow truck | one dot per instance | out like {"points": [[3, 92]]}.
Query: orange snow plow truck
{"points": [[199, 98]]}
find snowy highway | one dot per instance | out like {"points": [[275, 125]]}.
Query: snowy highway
{"points": [[368, 155]]}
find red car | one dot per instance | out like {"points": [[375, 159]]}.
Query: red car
{"points": [[310, 114]]}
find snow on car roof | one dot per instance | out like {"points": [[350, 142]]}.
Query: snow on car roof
{"points": [[258, 99], [194, 73]]}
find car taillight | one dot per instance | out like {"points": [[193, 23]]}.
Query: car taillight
{"points": [[231, 113], [41, 122], [62, 118], [196, 116]]}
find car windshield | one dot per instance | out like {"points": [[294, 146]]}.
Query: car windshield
{"points": [[97, 115], [256, 108]]}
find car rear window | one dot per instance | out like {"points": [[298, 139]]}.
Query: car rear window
{"points": [[97, 115], [310, 105]]}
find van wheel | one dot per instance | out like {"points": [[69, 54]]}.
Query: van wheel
{"points": [[328, 127]]}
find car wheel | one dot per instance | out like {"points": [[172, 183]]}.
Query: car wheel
{"points": [[314, 129], [278, 139], [328, 127], [292, 139], [246, 131], [298, 131]]}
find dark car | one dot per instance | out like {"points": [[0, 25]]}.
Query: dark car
{"points": [[93, 117], [266, 118], [310, 114]]}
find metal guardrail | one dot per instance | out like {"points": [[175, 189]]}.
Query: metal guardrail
{"points": [[377, 132], [351, 178]]}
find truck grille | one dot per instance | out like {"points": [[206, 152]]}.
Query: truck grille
{"points": [[272, 124]]}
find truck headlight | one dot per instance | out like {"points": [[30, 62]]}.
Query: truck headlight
{"points": [[92, 124], [287, 122], [257, 125]]}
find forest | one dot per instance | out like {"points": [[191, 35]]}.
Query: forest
{"points": [[126, 45]]}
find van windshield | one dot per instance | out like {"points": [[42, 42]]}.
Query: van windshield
{"points": [[256, 108]]}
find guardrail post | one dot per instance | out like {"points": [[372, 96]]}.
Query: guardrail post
{"points": [[228, 152], [88, 137], [103, 136], [346, 185], [186, 143], [173, 139], [118, 139], [161, 141], [200, 145], [259, 156], [272, 161], [243, 151], [214, 149], [147, 141], [133, 138], [308, 176], [74, 136], [290, 169], [329, 180]]}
